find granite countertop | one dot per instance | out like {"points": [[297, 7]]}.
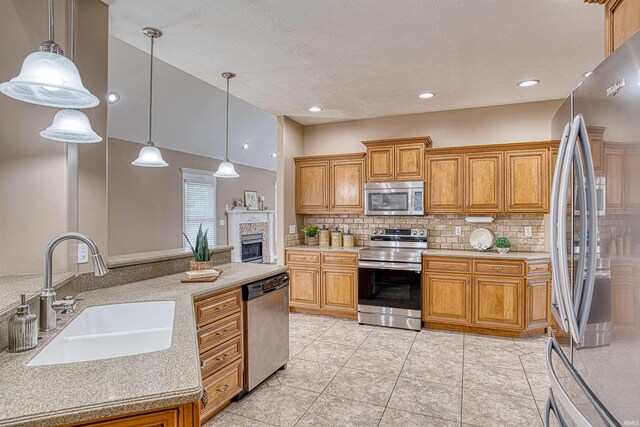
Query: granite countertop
{"points": [[76, 392], [528, 256], [318, 248], [11, 287], [154, 256]]}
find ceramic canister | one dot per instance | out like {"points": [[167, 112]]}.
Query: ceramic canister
{"points": [[336, 237], [347, 240], [325, 237]]}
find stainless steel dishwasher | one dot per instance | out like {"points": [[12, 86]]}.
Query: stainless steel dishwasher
{"points": [[266, 329]]}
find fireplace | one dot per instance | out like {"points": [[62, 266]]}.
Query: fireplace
{"points": [[252, 248]]}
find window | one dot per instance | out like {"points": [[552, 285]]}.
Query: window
{"points": [[199, 204]]}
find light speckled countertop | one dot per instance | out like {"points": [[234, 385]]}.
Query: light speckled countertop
{"points": [[11, 287], [324, 248], [154, 256], [527, 256], [76, 392]]}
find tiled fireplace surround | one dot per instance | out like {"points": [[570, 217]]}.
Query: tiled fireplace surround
{"points": [[441, 228]]}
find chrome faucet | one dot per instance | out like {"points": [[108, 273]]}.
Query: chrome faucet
{"points": [[48, 303]]}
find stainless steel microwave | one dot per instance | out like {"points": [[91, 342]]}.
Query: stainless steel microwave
{"points": [[394, 198]]}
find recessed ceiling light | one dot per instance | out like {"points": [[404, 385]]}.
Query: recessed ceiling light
{"points": [[588, 73], [245, 146], [273, 154], [113, 97], [528, 83], [426, 95], [315, 109]]}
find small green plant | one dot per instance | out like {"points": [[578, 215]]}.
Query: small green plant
{"points": [[201, 250], [503, 243], [310, 230]]}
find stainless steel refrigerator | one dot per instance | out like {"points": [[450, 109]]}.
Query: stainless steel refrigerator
{"points": [[593, 357]]}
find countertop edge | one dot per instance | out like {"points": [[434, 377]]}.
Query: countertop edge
{"points": [[317, 248], [118, 261], [526, 256]]}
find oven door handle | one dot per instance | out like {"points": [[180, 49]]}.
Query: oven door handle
{"points": [[390, 266]]}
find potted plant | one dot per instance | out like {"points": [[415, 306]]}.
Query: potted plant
{"points": [[201, 253], [503, 244], [311, 235]]}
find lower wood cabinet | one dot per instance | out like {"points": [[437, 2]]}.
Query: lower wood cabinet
{"points": [[179, 416], [323, 283], [493, 296]]}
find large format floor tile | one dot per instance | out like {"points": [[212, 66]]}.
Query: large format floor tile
{"points": [[396, 418], [429, 368], [333, 411], [387, 362], [307, 375], [481, 408], [427, 398], [497, 380], [363, 386], [227, 419], [346, 333], [327, 352]]}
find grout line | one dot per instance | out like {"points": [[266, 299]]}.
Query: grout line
{"points": [[464, 341], [533, 396]]}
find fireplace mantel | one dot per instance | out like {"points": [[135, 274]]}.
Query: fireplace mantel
{"points": [[237, 217]]}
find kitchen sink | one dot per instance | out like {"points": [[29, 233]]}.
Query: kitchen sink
{"points": [[109, 331]]}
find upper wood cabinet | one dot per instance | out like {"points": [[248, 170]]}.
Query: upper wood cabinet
{"points": [[444, 186], [400, 159], [330, 184], [621, 21], [483, 182], [527, 181]]}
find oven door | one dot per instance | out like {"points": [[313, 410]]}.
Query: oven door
{"points": [[395, 287]]}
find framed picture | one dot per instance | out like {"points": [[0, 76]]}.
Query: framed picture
{"points": [[251, 199]]}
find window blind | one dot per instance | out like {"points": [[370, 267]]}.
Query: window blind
{"points": [[199, 196]]}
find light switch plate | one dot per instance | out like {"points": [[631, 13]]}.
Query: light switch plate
{"points": [[292, 229], [222, 222], [527, 232], [458, 231], [83, 253]]}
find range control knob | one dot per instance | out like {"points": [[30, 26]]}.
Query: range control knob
{"points": [[374, 231], [414, 232], [422, 232]]}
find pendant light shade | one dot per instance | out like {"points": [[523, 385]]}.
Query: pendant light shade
{"points": [[71, 126], [150, 156], [48, 78], [226, 168]]}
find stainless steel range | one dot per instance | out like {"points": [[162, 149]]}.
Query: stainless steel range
{"points": [[390, 278]]}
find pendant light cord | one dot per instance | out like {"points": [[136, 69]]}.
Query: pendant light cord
{"points": [[226, 157], [150, 143], [51, 34]]}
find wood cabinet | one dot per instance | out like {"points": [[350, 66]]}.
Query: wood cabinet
{"points": [[491, 296], [621, 21], [489, 179], [323, 282], [622, 175], [326, 184], [483, 182], [444, 183], [400, 159], [596, 142], [527, 181], [179, 416]]}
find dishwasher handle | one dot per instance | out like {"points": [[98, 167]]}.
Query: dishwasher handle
{"points": [[264, 287]]}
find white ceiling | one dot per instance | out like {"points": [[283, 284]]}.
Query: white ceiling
{"points": [[370, 58]]}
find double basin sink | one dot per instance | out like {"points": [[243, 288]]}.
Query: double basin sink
{"points": [[109, 331]]}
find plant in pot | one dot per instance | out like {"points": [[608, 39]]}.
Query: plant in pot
{"points": [[201, 253], [311, 235], [503, 244]]}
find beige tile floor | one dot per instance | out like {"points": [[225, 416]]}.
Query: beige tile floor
{"points": [[344, 374]]}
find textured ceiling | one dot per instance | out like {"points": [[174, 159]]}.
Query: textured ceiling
{"points": [[371, 58]]}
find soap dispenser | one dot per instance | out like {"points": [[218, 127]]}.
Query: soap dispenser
{"points": [[23, 328]]}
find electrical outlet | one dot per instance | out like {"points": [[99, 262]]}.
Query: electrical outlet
{"points": [[458, 231], [292, 229], [83, 253], [222, 222], [528, 232]]}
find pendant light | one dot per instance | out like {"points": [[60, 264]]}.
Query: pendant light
{"points": [[48, 78], [71, 125], [226, 169], [150, 156]]}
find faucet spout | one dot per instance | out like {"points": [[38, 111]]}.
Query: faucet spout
{"points": [[48, 303]]}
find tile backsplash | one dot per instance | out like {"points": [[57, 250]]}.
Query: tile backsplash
{"points": [[441, 229]]}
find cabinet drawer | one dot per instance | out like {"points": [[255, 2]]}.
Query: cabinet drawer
{"points": [[219, 389], [220, 356], [342, 260], [448, 265], [219, 332], [507, 268], [214, 308], [538, 267], [299, 257]]}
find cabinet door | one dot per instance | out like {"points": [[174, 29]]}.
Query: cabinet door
{"points": [[380, 163], [614, 173], [497, 302], [165, 418], [622, 20], [347, 186], [483, 182], [538, 301], [447, 298], [304, 286], [632, 178], [338, 289], [409, 162], [527, 181], [312, 187], [444, 183]]}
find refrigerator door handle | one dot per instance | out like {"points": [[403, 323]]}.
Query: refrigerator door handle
{"points": [[581, 194], [552, 406], [558, 214]]}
